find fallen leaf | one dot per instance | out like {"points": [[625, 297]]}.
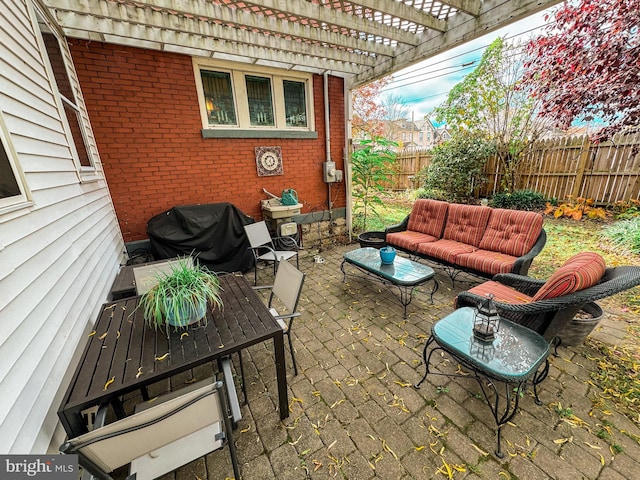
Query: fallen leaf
{"points": [[560, 441], [109, 382], [594, 446], [479, 450], [403, 384], [162, 357]]}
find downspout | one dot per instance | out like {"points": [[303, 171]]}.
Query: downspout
{"points": [[347, 158], [327, 136]]}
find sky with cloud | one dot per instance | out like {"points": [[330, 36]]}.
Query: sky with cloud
{"points": [[425, 85]]}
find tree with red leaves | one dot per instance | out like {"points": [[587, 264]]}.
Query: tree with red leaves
{"points": [[587, 64], [369, 110]]}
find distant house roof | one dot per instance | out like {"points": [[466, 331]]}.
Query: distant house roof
{"points": [[360, 40]]}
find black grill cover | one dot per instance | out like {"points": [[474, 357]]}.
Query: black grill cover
{"points": [[212, 232]]}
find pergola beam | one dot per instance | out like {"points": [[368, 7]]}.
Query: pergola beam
{"points": [[362, 40], [471, 7], [336, 18], [494, 15], [190, 33], [206, 12], [404, 12]]}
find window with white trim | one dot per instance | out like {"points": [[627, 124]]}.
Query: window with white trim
{"points": [[261, 98], [12, 190], [68, 96]]}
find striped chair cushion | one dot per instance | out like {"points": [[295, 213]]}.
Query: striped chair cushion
{"points": [[466, 223], [512, 232], [428, 216], [502, 293], [579, 272], [446, 250], [487, 262], [408, 240]]}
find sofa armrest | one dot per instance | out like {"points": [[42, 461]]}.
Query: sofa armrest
{"points": [[400, 227], [522, 264], [523, 284]]}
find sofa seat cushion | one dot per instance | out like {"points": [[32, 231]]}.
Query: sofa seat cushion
{"points": [[512, 232], [487, 261], [446, 250], [502, 293], [428, 216], [408, 240], [581, 271], [466, 223]]}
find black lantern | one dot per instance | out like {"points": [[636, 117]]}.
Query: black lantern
{"points": [[486, 321]]}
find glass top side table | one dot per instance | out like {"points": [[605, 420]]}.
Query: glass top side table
{"points": [[515, 356]]}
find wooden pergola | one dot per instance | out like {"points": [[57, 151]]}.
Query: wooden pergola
{"points": [[360, 40]]}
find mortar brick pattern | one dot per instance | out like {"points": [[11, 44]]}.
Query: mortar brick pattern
{"points": [[346, 419], [143, 108]]}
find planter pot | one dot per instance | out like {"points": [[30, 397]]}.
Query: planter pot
{"points": [[187, 315], [372, 239], [387, 255], [582, 324]]}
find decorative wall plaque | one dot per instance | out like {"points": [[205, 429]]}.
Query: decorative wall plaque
{"points": [[269, 161]]}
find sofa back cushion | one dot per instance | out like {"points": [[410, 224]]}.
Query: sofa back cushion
{"points": [[513, 232], [581, 271], [428, 216], [466, 223]]}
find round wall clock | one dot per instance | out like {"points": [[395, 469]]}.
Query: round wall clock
{"points": [[269, 161]]}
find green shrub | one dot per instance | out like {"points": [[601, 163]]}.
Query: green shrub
{"points": [[430, 194], [371, 165], [625, 234], [457, 168], [519, 200], [624, 210]]}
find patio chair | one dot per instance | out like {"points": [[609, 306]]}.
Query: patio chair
{"points": [[548, 307], [262, 246], [160, 436], [286, 288]]}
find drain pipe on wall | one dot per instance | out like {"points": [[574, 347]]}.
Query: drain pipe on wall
{"points": [[327, 135], [347, 158]]}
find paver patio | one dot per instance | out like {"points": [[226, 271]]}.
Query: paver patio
{"points": [[355, 414]]}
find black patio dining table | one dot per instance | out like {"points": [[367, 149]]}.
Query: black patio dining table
{"points": [[123, 354]]}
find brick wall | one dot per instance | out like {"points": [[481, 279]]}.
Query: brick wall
{"points": [[143, 108]]}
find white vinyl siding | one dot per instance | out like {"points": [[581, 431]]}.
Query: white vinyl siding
{"points": [[59, 253]]}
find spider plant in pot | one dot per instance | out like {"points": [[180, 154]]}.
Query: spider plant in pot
{"points": [[181, 296]]}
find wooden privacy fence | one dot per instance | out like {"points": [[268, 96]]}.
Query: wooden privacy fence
{"points": [[607, 172]]}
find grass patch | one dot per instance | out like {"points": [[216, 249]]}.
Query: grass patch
{"points": [[618, 375], [395, 207]]}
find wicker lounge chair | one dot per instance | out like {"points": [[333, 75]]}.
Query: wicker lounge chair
{"points": [[549, 316]]}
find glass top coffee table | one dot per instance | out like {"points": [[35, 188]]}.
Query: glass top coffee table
{"points": [[403, 273], [514, 357]]}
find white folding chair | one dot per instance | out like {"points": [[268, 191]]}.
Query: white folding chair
{"points": [[161, 436], [286, 288], [262, 246]]}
